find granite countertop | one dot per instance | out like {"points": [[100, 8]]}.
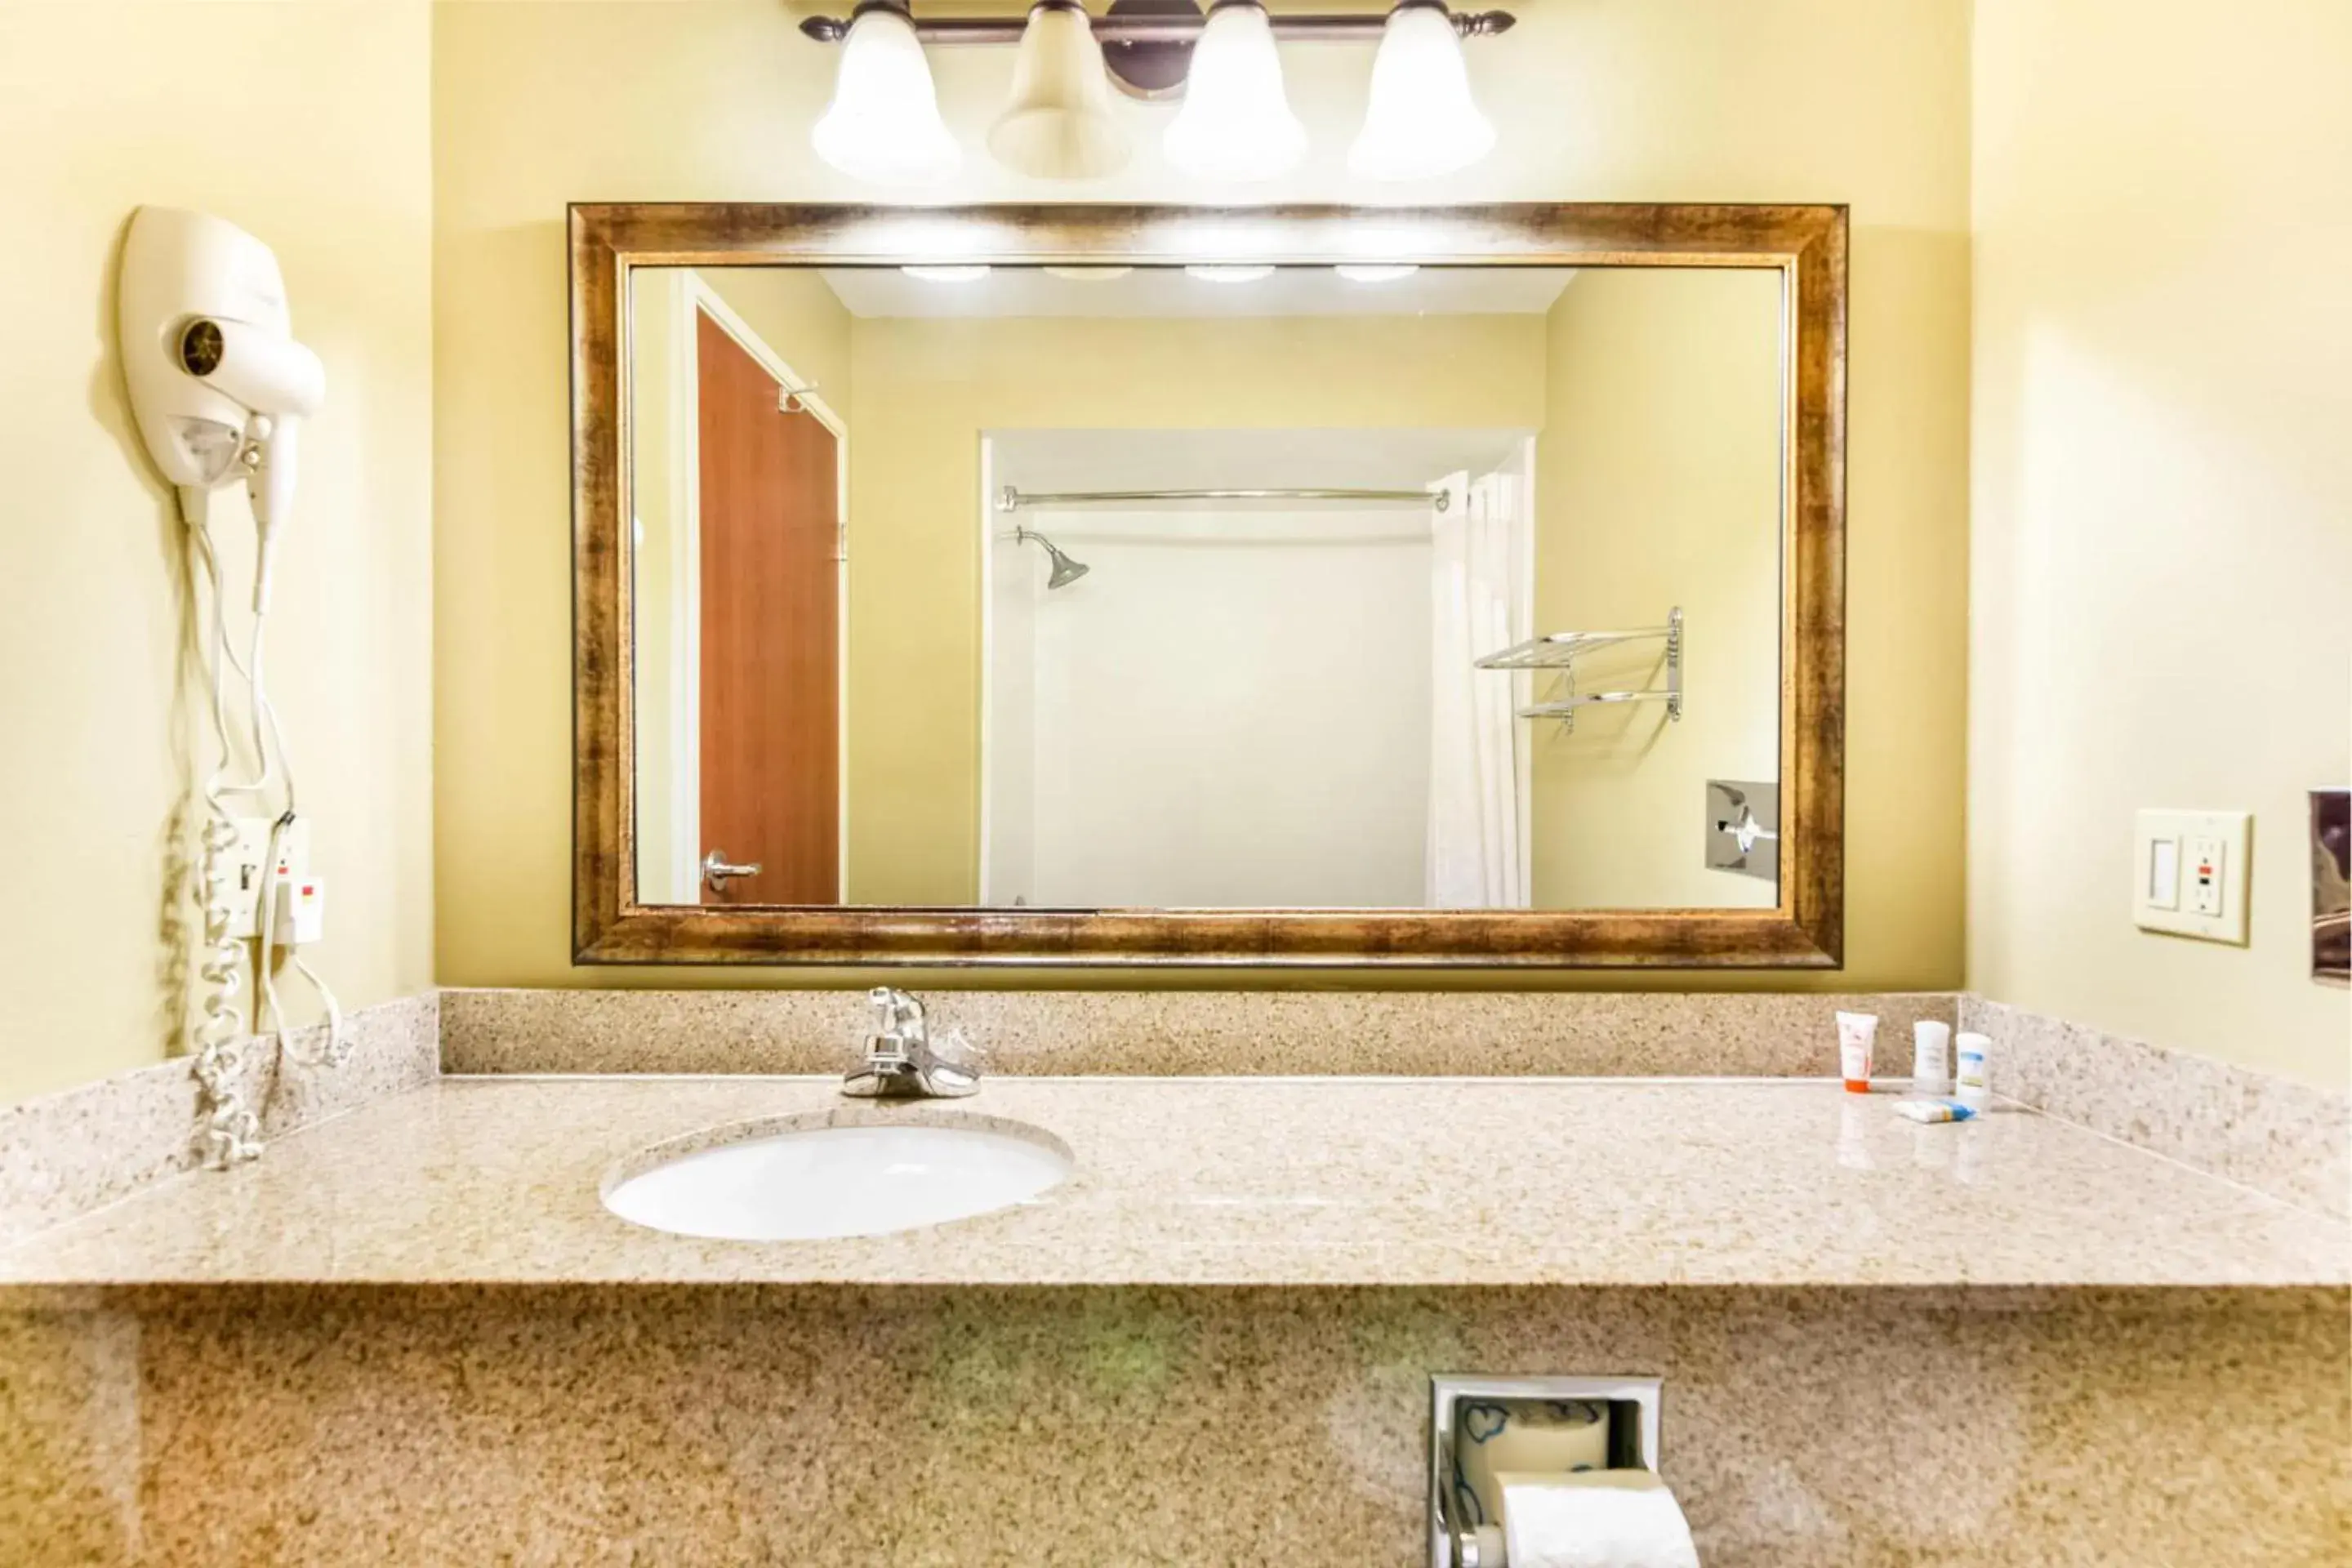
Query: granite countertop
{"points": [[1238, 1181]]}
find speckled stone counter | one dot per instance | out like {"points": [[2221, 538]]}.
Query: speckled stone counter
{"points": [[413, 1335], [1238, 1181]]}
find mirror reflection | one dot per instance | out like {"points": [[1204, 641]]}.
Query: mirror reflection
{"points": [[1219, 587]]}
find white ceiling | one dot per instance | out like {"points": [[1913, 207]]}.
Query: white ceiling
{"points": [[1036, 460], [1164, 291]]}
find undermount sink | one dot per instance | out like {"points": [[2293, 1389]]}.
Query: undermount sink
{"points": [[835, 1174]]}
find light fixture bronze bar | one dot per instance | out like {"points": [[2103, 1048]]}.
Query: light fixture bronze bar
{"points": [[1345, 29]]}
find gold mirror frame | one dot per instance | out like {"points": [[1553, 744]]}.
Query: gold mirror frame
{"points": [[1807, 245]]}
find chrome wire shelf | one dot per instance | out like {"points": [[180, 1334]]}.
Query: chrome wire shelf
{"points": [[1559, 652]]}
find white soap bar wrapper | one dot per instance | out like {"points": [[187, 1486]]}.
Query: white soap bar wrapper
{"points": [[1933, 1110]]}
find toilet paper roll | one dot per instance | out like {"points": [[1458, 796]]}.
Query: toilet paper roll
{"points": [[1601, 1518]]}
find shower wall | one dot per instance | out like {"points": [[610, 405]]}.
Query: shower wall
{"points": [[1232, 707], [926, 391]]}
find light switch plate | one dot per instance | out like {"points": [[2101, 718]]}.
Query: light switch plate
{"points": [[2189, 873]]}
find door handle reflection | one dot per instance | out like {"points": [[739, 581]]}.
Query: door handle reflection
{"points": [[716, 872]]}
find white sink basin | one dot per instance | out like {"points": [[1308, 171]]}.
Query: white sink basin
{"points": [[835, 1174]]}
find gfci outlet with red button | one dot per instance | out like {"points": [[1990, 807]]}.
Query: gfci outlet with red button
{"points": [[2189, 873]]}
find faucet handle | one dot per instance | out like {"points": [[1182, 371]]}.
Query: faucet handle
{"points": [[899, 1014], [901, 1060], [952, 1049]]}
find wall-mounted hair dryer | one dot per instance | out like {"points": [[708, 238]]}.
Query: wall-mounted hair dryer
{"points": [[219, 387], [217, 382]]}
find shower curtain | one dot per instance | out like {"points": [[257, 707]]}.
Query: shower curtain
{"points": [[1480, 565]]}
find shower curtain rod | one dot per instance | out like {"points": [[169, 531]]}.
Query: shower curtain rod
{"points": [[1010, 499]]}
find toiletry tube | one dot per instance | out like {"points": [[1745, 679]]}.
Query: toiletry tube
{"points": [[1930, 1059], [1976, 1083], [1932, 1110], [1857, 1034]]}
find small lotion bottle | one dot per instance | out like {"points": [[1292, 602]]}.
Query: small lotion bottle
{"points": [[1930, 1062], [1857, 1033], [1976, 1084]]}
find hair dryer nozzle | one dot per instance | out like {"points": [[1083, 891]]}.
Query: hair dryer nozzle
{"points": [[267, 372]]}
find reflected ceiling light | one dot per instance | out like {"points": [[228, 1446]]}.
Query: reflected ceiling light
{"points": [[1423, 121], [962, 272], [1246, 273], [1235, 124], [1059, 124], [1375, 272], [884, 123], [1088, 274]]}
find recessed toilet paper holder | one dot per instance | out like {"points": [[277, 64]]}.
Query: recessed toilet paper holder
{"points": [[1635, 1407]]}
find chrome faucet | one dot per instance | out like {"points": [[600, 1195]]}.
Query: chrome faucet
{"points": [[900, 1063]]}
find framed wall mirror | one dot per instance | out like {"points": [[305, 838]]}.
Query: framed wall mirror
{"points": [[1325, 586]]}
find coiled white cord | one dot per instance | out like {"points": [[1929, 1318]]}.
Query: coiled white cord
{"points": [[232, 1129]]}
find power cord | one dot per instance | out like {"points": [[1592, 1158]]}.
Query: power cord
{"points": [[232, 1129]]}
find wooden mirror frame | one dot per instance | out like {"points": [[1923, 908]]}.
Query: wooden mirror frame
{"points": [[1806, 244]]}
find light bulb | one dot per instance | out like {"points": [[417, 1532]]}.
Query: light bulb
{"points": [[883, 124], [958, 272], [1058, 124], [1236, 123], [1247, 272], [1375, 271], [1423, 121]]}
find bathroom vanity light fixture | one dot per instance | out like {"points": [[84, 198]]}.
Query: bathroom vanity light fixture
{"points": [[1059, 124], [1235, 124], [883, 124], [960, 272], [1375, 271], [1246, 272], [1423, 121]]}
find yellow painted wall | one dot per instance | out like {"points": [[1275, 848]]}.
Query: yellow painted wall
{"points": [[1658, 483], [2163, 559], [925, 392], [535, 105], [307, 124]]}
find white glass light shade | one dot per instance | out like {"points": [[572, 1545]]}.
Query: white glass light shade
{"points": [[884, 123], [1235, 124], [1221, 272], [1376, 271], [1058, 124], [1423, 121], [953, 272]]}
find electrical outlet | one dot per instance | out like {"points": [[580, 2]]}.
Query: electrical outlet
{"points": [[2189, 873], [2209, 865], [248, 874], [301, 911]]}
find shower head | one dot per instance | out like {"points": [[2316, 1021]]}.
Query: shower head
{"points": [[1066, 570]]}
